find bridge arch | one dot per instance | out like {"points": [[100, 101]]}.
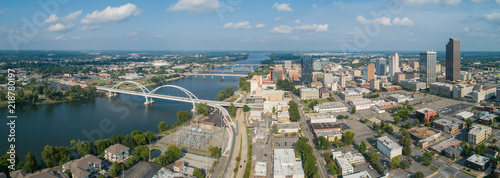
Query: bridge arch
{"points": [[142, 87], [187, 92]]}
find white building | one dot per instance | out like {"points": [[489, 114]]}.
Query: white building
{"points": [[260, 170], [464, 115], [393, 64], [288, 127], [277, 105], [388, 147], [355, 158], [330, 107], [286, 165], [478, 133], [322, 118], [363, 174], [400, 98], [361, 104], [343, 163], [116, 152]]}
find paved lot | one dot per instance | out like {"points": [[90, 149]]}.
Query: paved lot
{"points": [[262, 153], [364, 167], [361, 131], [282, 143]]}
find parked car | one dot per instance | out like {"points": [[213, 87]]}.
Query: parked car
{"points": [[370, 166]]}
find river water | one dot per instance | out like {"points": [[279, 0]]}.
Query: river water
{"points": [[101, 117]]}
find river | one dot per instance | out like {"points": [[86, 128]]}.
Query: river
{"points": [[101, 117]]}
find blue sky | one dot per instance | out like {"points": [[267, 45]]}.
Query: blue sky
{"points": [[355, 25]]}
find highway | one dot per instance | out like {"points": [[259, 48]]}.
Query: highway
{"points": [[225, 75], [308, 133]]}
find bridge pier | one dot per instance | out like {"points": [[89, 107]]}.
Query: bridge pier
{"points": [[149, 101], [195, 76], [212, 77], [222, 79], [111, 94], [203, 77]]}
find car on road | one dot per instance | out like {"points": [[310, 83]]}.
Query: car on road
{"points": [[409, 175], [409, 159], [370, 166]]}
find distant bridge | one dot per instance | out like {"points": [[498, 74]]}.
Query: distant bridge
{"points": [[212, 75]]}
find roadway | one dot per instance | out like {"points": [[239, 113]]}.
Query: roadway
{"points": [[225, 75], [308, 133]]}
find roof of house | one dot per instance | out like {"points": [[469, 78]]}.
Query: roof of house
{"points": [[44, 173], [116, 149], [79, 167], [478, 159], [179, 164]]}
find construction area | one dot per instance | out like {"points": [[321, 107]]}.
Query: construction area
{"points": [[194, 136]]}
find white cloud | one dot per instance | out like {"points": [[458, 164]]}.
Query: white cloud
{"points": [[260, 25], [297, 21], [245, 40], [90, 27], [72, 16], [493, 17], [403, 22], [314, 6], [278, 18], [159, 36], [411, 34], [76, 38], [282, 29], [132, 34], [52, 18], [386, 21], [423, 2], [478, 1], [195, 5], [59, 27], [466, 29], [2, 11], [313, 27], [498, 2], [337, 3], [282, 7], [351, 33], [60, 37], [112, 14], [295, 38], [239, 25]]}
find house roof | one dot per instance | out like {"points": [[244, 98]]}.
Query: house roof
{"points": [[116, 149], [79, 167], [179, 164], [44, 173]]}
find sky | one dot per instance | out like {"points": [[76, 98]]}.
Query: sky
{"points": [[319, 25]]}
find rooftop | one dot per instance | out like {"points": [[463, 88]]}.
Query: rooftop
{"points": [[388, 142], [399, 96], [424, 110], [283, 114], [116, 149], [293, 125], [326, 125], [255, 113], [448, 123], [445, 144], [261, 169], [309, 90], [330, 105], [423, 132], [350, 92], [328, 133], [285, 163], [478, 159], [363, 174], [477, 129]]}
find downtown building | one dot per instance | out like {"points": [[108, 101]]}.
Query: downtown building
{"points": [[393, 65], [428, 67], [381, 67], [307, 69], [453, 60]]}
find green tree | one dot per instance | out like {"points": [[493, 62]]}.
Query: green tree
{"points": [[140, 139], [333, 168], [426, 158], [183, 116], [376, 127], [322, 143], [101, 145], [362, 147], [233, 110], [394, 162], [117, 168], [31, 165], [230, 91], [150, 136], [419, 174], [373, 157], [199, 173], [246, 108], [173, 153], [141, 153], [162, 126], [348, 137], [481, 149], [404, 164], [469, 123], [203, 108], [214, 151], [353, 110], [222, 95], [397, 119]]}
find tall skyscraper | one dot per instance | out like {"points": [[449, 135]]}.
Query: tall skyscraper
{"points": [[453, 60], [307, 69], [428, 67], [381, 66], [393, 64], [342, 80], [369, 72]]}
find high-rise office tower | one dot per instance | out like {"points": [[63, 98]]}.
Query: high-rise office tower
{"points": [[381, 66], [307, 69], [393, 64], [428, 67], [453, 60], [342, 80], [369, 72]]}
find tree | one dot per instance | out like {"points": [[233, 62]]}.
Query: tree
{"points": [[376, 127], [233, 110], [230, 91], [481, 149], [426, 158], [404, 164], [353, 110], [348, 137], [162, 126], [397, 119], [362, 147], [117, 168], [373, 157], [312, 104], [222, 95], [340, 116], [199, 173], [183, 116], [333, 168], [141, 153], [246, 108], [419, 174], [466, 148], [469, 123], [322, 143], [100, 176], [173, 153], [394, 162], [31, 165], [203, 108], [214, 151], [101, 145], [140, 139]]}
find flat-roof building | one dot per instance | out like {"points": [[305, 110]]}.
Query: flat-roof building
{"points": [[260, 170], [330, 135], [286, 165], [452, 142], [330, 107], [309, 94], [361, 104], [448, 126], [424, 135], [399, 98], [363, 174], [322, 118], [349, 95], [288, 127], [478, 133], [388, 147], [343, 163], [464, 115], [425, 113], [478, 162]]}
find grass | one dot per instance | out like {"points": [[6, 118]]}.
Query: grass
{"points": [[306, 109], [239, 155], [249, 162]]}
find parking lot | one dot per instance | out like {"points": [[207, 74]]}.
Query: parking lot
{"points": [[361, 131], [283, 143], [453, 109], [262, 153]]}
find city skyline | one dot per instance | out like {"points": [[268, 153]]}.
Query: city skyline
{"points": [[279, 25]]}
